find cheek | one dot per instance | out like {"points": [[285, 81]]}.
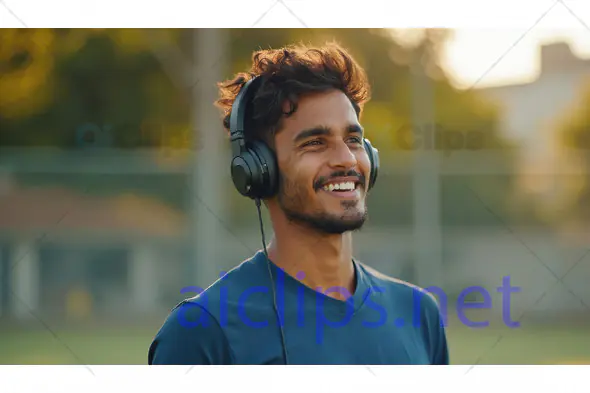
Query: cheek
{"points": [[364, 163], [302, 170], [296, 177]]}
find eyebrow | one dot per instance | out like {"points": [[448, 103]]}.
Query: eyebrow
{"points": [[325, 131]]}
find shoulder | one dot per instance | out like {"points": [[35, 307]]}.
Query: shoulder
{"points": [[229, 285], [421, 305], [398, 287], [192, 332], [190, 335], [406, 292]]}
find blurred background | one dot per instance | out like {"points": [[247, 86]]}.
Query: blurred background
{"points": [[115, 191]]}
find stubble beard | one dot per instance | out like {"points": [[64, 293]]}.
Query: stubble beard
{"points": [[292, 200]]}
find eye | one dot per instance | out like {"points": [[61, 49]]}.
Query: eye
{"points": [[356, 139], [315, 142]]}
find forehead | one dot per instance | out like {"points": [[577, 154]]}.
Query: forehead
{"points": [[330, 109]]}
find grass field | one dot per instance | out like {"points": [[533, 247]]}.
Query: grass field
{"points": [[525, 345]]}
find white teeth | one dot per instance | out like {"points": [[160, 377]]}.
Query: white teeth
{"points": [[348, 186]]}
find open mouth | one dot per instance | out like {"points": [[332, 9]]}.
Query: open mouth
{"points": [[341, 186], [349, 188]]}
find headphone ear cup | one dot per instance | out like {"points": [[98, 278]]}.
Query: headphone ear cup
{"points": [[374, 160], [243, 174], [266, 176]]}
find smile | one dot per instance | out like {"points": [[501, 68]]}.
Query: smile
{"points": [[343, 189], [344, 186]]}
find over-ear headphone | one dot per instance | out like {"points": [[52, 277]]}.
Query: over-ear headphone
{"points": [[254, 169]]}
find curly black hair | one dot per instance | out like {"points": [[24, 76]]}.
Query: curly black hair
{"points": [[287, 74]]}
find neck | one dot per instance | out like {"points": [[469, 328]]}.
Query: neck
{"points": [[315, 259]]}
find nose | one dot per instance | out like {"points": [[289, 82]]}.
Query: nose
{"points": [[342, 157]]}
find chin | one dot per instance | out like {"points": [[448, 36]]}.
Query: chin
{"points": [[340, 226], [332, 223]]}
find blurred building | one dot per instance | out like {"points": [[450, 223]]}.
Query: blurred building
{"points": [[65, 254], [532, 113]]}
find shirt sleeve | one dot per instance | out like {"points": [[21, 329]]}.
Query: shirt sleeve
{"points": [[190, 336], [439, 350]]}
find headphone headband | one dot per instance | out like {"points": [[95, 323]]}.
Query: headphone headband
{"points": [[237, 119]]}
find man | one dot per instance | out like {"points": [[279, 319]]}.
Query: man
{"points": [[310, 301]]}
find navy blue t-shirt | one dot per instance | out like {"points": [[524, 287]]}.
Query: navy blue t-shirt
{"points": [[385, 321]]}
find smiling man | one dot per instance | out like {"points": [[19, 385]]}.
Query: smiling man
{"points": [[305, 299]]}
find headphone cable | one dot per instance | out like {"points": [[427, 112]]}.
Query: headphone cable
{"points": [[257, 200]]}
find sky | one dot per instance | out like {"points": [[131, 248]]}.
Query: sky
{"points": [[471, 52]]}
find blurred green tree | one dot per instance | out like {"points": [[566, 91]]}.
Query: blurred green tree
{"points": [[56, 82]]}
